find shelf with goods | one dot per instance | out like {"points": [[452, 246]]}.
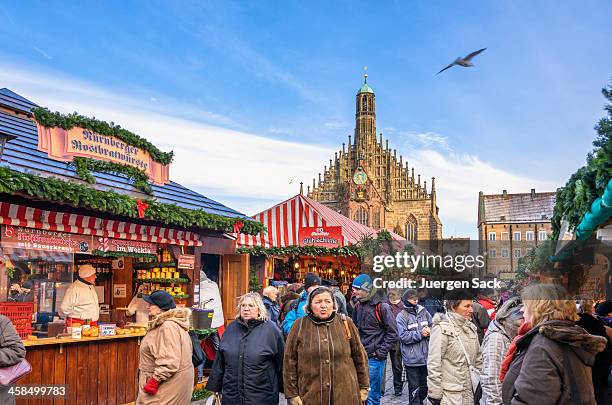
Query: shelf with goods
{"points": [[161, 274]]}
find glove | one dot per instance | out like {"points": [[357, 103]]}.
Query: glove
{"points": [[151, 386], [363, 394], [295, 401], [434, 401]]}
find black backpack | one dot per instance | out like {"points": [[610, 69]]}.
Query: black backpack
{"points": [[197, 354]]}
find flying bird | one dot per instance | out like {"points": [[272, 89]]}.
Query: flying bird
{"points": [[465, 62]]}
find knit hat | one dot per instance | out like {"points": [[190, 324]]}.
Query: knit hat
{"points": [[363, 282], [311, 280], [160, 298], [409, 295], [330, 283], [86, 270]]}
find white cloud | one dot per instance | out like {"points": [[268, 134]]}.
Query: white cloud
{"points": [[233, 163], [459, 178], [336, 125], [427, 140]]}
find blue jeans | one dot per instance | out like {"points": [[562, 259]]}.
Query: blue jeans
{"points": [[376, 370]]}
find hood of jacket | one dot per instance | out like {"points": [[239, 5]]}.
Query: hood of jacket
{"points": [[585, 345], [414, 309], [180, 316]]}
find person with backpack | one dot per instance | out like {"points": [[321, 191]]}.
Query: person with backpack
{"points": [[325, 362], [377, 329], [413, 328], [165, 368], [248, 368], [298, 306]]}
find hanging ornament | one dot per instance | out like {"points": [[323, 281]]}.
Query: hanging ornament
{"points": [[142, 207], [238, 226]]}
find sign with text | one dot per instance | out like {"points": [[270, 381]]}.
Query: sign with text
{"points": [[125, 246], [120, 291], [186, 262], [64, 145], [328, 236], [41, 239]]}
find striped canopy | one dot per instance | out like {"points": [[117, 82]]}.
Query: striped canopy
{"points": [[284, 220]]}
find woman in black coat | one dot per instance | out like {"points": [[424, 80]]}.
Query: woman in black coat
{"points": [[248, 367]]}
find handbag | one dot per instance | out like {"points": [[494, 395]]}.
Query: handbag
{"points": [[474, 373], [214, 399], [9, 375]]}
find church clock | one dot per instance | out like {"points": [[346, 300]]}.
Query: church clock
{"points": [[360, 177]]}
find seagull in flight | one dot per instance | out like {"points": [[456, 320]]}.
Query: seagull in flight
{"points": [[465, 62]]}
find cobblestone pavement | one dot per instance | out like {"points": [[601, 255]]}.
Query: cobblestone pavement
{"points": [[388, 399]]}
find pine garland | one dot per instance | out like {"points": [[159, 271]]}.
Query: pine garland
{"points": [[588, 182], [55, 119], [78, 195], [83, 166], [350, 250], [122, 254]]}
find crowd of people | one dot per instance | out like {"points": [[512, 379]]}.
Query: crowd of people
{"points": [[324, 348], [319, 347]]}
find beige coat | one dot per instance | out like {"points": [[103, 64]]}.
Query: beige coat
{"points": [[165, 354], [449, 375]]}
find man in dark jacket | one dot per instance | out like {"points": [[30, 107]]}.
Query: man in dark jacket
{"points": [[12, 352], [377, 329], [413, 328]]}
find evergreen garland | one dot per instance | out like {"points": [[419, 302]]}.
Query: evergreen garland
{"points": [[83, 166], [55, 119], [122, 254], [587, 183], [78, 195], [350, 250]]}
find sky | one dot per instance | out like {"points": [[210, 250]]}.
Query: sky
{"points": [[255, 97]]}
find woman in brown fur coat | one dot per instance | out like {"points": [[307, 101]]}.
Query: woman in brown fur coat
{"points": [[325, 362]]}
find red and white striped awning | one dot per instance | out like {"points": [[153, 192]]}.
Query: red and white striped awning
{"points": [[284, 220], [21, 215]]}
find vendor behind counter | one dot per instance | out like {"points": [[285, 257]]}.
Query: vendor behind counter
{"points": [[80, 304]]}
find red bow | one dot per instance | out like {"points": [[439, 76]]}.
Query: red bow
{"points": [[238, 226], [142, 207]]}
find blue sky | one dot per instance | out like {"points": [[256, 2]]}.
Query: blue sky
{"points": [[274, 82]]}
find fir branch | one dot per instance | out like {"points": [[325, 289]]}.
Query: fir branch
{"points": [[83, 166]]}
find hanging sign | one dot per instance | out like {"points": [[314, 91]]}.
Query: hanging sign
{"points": [[186, 262], [120, 291], [41, 239], [328, 236], [125, 246], [64, 145]]}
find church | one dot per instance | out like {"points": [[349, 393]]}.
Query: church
{"points": [[367, 182]]}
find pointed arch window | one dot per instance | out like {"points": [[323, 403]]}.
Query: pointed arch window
{"points": [[361, 216], [411, 228], [364, 103]]}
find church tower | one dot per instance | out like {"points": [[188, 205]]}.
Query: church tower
{"points": [[367, 182], [365, 119]]}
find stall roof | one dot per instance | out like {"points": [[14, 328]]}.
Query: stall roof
{"points": [[22, 155], [284, 220]]}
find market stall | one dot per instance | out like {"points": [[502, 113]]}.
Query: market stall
{"points": [[86, 204], [304, 236]]}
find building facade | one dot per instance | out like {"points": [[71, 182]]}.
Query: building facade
{"points": [[367, 182], [509, 225]]}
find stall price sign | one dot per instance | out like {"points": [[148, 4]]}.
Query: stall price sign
{"points": [[186, 262], [328, 236], [42, 239]]}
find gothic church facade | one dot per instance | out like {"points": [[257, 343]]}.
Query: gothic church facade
{"points": [[367, 182]]}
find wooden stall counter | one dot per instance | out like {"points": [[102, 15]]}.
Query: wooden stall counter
{"points": [[96, 370]]}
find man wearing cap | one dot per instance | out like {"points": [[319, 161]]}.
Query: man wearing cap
{"points": [[377, 329], [298, 307], [338, 296], [80, 304]]}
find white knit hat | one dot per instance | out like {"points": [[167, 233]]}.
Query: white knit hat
{"points": [[86, 270]]}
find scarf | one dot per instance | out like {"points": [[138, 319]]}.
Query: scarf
{"points": [[525, 327]]}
